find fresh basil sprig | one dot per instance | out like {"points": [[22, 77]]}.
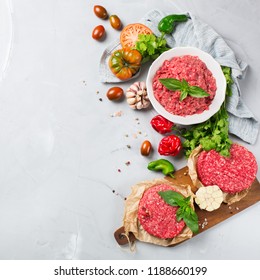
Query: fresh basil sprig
{"points": [[185, 210], [184, 88]]}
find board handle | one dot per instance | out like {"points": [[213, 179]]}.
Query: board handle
{"points": [[122, 238]]}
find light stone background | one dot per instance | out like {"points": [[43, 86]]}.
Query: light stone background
{"points": [[60, 149]]}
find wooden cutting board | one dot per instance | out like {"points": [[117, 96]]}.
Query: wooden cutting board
{"points": [[206, 219]]}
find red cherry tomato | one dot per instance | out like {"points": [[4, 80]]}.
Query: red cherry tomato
{"points": [[146, 148], [115, 22], [115, 93], [98, 32], [100, 11]]}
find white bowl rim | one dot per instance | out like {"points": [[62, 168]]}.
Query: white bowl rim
{"points": [[211, 64]]}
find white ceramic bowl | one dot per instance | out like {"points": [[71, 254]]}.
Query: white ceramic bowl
{"points": [[211, 64]]}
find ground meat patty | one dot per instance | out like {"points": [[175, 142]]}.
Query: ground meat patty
{"points": [[232, 174], [157, 217]]}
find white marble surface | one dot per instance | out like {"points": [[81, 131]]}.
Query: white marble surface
{"points": [[60, 149]]}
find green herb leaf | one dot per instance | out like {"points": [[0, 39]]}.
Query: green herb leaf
{"points": [[150, 46], [227, 73], [184, 85], [195, 91], [171, 83], [183, 95], [192, 221], [187, 199], [184, 88], [212, 134], [185, 210], [172, 198], [180, 214]]}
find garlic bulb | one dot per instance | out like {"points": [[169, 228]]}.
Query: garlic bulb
{"points": [[209, 198], [136, 96]]}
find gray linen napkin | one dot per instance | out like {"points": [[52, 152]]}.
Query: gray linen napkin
{"points": [[196, 33]]}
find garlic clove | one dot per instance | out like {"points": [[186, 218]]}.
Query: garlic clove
{"points": [[142, 86], [131, 101], [130, 94], [139, 105]]}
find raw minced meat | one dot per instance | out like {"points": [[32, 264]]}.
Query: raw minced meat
{"points": [[196, 73], [232, 174], [156, 216]]}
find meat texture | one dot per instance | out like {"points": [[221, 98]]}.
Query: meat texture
{"points": [[156, 216], [232, 174]]}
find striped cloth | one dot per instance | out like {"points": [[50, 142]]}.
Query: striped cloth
{"points": [[196, 33]]}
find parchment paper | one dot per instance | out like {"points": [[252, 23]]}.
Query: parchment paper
{"points": [[192, 163], [131, 222]]}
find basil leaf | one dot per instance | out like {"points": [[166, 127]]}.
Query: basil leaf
{"points": [[198, 92], [180, 214], [183, 95], [185, 211], [171, 84], [172, 198], [187, 200], [190, 218], [192, 222], [184, 85]]}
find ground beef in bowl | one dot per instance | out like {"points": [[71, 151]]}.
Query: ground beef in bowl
{"points": [[196, 73]]}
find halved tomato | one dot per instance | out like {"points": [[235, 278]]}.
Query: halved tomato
{"points": [[129, 35]]}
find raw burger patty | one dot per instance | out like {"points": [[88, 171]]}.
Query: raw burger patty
{"points": [[233, 174], [157, 217]]}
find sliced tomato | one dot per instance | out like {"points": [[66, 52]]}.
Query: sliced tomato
{"points": [[129, 35]]}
